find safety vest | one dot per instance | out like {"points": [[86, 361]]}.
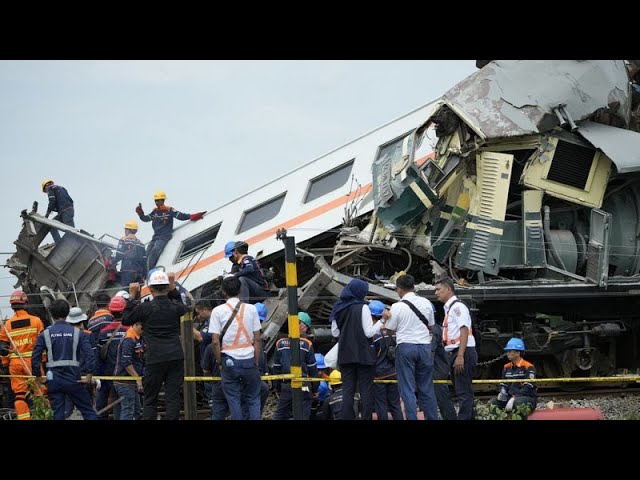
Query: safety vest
{"points": [[21, 333], [51, 363], [242, 329], [445, 328]]}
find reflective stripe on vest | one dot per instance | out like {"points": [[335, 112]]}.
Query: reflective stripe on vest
{"points": [[445, 329], [241, 329], [62, 363]]}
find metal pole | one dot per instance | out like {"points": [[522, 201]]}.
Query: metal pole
{"points": [[294, 325], [189, 388]]}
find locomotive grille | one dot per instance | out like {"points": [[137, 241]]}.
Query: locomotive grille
{"points": [[571, 164], [594, 260]]}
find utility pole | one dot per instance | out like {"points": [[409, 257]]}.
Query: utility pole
{"points": [[294, 323]]}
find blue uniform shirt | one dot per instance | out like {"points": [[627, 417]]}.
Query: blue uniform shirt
{"points": [[61, 334]]}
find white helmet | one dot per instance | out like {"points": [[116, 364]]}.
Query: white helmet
{"points": [[124, 294], [158, 278]]}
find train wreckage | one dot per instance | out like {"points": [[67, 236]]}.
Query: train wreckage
{"points": [[522, 183]]}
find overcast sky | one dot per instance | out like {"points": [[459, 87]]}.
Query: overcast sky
{"points": [[113, 132]]}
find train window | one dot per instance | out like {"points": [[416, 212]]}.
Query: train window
{"points": [[197, 243], [328, 182], [260, 214]]}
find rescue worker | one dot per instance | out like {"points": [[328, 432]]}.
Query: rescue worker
{"points": [[323, 391], [333, 405], [164, 358], [459, 344], [203, 336], [441, 372], [130, 362], [66, 348], [282, 365], [77, 318], [252, 281], [18, 337], [351, 321], [109, 337], [411, 318], [261, 308], [100, 318], [513, 394], [228, 252], [237, 348], [161, 219], [132, 253], [386, 396], [60, 202]]}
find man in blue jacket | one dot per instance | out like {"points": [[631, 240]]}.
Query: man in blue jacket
{"points": [[67, 348], [61, 202]]}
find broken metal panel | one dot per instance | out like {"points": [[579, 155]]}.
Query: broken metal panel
{"points": [[598, 248], [76, 261], [533, 235], [480, 249], [510, 98], [621, 146], [569, 170]]}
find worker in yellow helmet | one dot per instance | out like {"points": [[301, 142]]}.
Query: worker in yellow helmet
{"points": [[161, 219], [59, 201], [132, 254]]}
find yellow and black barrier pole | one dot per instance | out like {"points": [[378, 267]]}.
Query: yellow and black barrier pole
{"points": [[294, 326]]}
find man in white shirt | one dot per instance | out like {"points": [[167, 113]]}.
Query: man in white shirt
{"points": [[459, 344], [237, 348], [414, 362]]}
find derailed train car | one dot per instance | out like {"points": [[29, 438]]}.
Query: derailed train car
{"points": [[524, 186], [522, 183]]}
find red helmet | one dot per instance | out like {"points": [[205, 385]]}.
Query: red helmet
{"points": [[117, 304], [18, 298]]}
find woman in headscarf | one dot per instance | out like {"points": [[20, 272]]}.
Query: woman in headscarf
{"points": [[351, 321]]}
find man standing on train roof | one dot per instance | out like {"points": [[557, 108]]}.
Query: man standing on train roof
{"points": [[61, 202], [161, 219]]}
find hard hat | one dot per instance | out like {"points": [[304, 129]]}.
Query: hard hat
{"points": [[76, 315], [45, 182], [376, 307], [131, 225], [18, 297], [124, 294], [515, 344], [160, 195], [335, 378], [228, 248], [117, 304], [305, 318], [262, 311], [320, 361], [158, 278]]}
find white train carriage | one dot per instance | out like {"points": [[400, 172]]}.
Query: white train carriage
{"points": [[307, 201]]}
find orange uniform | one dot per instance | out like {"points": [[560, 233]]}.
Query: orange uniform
{"points": [[20, 333]]}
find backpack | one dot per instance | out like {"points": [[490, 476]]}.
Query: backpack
{"points": [[104, 349]]}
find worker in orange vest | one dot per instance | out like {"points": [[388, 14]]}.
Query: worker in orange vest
{"points": [[17, 338]]}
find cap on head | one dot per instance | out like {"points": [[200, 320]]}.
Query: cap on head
{"points": [[320, 361], [376, 307], [335, 378], [262, 311], [305, 318], [76, 315], [18, 297], [160, 195], [46, 182], [158, 278], [124, 294], [515, 344], [131, 225], [117, 304]]}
